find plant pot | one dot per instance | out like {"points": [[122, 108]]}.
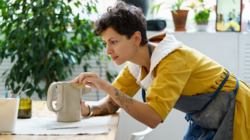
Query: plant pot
{"points": [[180, 19], [201, 26]]}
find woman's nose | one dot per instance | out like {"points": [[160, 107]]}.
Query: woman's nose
{"points": [[109, 50]]}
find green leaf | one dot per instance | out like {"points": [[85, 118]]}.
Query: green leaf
{"points": [[51, 63], [175, 12], [5, 72], [31, 53], [108, 57], [29, 67], [72, 52], [42, 41], [76, 4], [111, 75], [157, 7], [13, 58], [73, 59], [65, 55], [95, 9], [101, 58], [70, 71]]}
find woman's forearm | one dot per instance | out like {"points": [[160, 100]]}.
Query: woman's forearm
{"points": [[138, 110], [105, 106]]}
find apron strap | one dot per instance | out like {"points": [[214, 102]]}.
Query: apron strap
{"points": [[217, 91], [237, 86], [143, 91], [149, 49]]}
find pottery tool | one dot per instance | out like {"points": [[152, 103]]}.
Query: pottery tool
{"points": [[20, 90], [62, 128], [6, 92]]}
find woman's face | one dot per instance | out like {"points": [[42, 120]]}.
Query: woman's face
{"points": [[119, 47]]}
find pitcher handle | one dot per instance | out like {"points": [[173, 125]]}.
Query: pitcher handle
{"points": [[86, 89], [50, 97]]}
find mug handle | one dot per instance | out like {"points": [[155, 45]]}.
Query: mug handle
{"points": [[59, 96]]}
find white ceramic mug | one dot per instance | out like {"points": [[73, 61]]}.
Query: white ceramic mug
{"points": [[8, 115]]}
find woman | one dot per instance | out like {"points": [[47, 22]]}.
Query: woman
{"points": [[173, 75]]}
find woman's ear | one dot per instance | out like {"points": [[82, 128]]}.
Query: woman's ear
{"points": [[137, 37]]}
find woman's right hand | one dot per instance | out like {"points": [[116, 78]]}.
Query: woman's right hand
{"points": [[93, 80], [84, 108]]}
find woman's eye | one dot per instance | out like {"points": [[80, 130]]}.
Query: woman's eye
{"points": [[114, 42]]}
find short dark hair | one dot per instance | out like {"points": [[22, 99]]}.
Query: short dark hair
{"points": [[124, 19]]}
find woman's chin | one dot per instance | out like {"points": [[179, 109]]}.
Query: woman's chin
{"points": [[118, 63]]}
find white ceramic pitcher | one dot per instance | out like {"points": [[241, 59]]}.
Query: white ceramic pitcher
{"points": [[68, 101]]}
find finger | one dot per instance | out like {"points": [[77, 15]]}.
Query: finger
{"points": [[81, 102], [90, 84], [88, 80], [82, 77], [89, 74], [76, 80]]}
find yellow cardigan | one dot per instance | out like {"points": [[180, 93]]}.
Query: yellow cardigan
{"points": [[185, 71]]}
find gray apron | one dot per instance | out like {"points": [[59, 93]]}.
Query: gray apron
{"points": [[218, 114]]}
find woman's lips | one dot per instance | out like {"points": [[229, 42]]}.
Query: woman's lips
{"points": [[114, 58]]}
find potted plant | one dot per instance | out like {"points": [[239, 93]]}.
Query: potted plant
{"points": [[39, 45], [201, 15], [179, 16]]}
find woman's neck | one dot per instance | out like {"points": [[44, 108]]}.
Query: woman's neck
{"points": [[143, 57]]}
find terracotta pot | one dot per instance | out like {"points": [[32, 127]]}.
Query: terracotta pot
{"points": [[180, 19]]}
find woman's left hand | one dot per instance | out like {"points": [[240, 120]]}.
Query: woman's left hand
{"points": [[93, 80]]}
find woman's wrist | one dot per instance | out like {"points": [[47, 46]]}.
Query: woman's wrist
{"points": [[85, 110]]}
